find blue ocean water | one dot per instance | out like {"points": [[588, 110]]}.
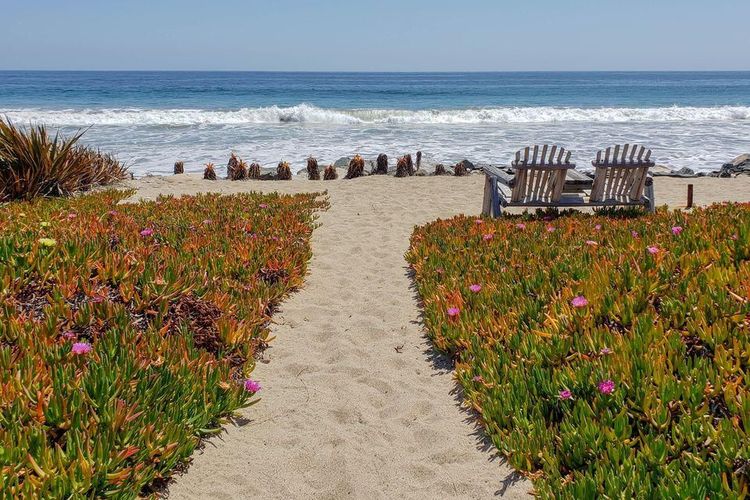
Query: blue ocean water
{"points": [[150, 119]]}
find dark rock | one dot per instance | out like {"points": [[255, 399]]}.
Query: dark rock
{"points": [[466, 164]]}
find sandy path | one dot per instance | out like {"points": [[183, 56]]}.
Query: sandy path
{"points": [[344, 413]]}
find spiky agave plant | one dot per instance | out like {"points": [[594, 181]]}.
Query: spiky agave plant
{"points": [[283, 172], [240, 171], [460, 170], [402, 167], [179, 167], [34, 163], [440, 169], [356, 168], [330, 173], [253, 171], [232, 165], [381, 166], [209, 173], [313, 173]]}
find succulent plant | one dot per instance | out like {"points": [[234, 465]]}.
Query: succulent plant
{"points": [[179, 167], [460, 170], [236, 168], [356, 168], [330, 173], [381, 166], [253, 171], [283, 172], [402, 167], [209, 173], [35, 163], [440, 169], [605, 354], [122, 342], [313, 173]]}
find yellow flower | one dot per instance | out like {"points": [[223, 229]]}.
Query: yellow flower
{"points": [[44, 224], [47, 242]]}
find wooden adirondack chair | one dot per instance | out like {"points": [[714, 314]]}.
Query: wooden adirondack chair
{"points": [[539, 179], [621, 177]]}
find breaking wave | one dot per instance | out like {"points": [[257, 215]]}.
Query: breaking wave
{"points": [[305, 113]]}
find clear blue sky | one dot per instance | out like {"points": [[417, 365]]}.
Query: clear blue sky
{"points": [[386, 35]]}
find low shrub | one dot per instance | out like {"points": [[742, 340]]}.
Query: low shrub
{"points": [[606, 356], [253, 172], [356, 168], [381, 166], [209, 173], [402, 167], [330, 173], [129, 331], [283, 172], [313, 173], [179, 167], [33, 163], [460, 169]]}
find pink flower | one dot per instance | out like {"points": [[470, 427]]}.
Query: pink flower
{"points": [[147, 232], [263, 205], [97, 299], [453, 311], [521, 225], [478, 221], [550, 229], [207, 222], [606, 386], [112, 213], [604, 351], [70, 335], [252, 385], [734, 237], [579, 301], [72, 216], [652, 250], [677, 230], [440, 270], [80, 348], [598, 227], [475, 288], [478, 378], [566, 394], [487, 237], [634, 234], [591, 243]]}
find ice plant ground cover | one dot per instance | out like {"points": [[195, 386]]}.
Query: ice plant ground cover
{"points": [[129, 331], [604, 354]]}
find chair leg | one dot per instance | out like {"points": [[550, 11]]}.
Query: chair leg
{"points": [[650, 196]]}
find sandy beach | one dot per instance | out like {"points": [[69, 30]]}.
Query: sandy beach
{"points": [[355, 402]]}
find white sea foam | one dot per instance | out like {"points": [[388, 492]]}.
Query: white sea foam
{"points": [[305, 113]]}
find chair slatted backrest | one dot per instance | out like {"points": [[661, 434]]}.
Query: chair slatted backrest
{"points": [[620, 173], [540, 174]]}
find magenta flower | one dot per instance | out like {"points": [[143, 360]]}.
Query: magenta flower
{"points": [[440, 270], [475, 288], [579, 301], [147, 232], [80, 348], [252, 385], [521, 225], [72, 216], [591, 243], [677, 230], [112, 213], [487, 237], [604, 351], [566, 394], [550, 229], [207, 222], [653, 250], [734, 237], [478, 221], [263, 205], [453, 311], [598, 227], [634, 234], [70, 335], [606, 386]]}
